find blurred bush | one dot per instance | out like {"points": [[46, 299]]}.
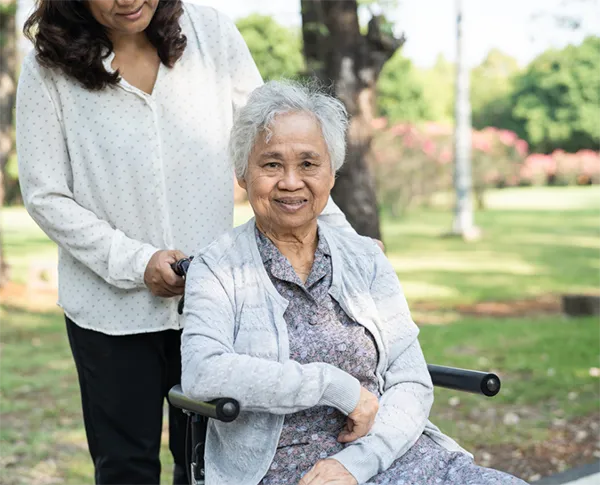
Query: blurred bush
{"points": [[413, 162], [561, 168]]}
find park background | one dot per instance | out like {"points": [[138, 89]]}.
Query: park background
{"points": [[490, 302]]}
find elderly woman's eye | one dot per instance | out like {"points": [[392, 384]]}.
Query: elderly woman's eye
{"points": [[307, 164], [272, 165]]}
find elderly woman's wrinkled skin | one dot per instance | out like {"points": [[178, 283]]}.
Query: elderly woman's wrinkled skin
{"points": [[288, 180], [289, 177]]}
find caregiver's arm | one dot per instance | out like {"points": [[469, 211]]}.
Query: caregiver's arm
{"points": [[333, 216], [47, 186], [212, 369], [408, 392]]}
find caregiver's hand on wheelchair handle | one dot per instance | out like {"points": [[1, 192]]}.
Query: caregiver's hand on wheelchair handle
{"points": [[360, 421], [160, 278], [328, 472]]}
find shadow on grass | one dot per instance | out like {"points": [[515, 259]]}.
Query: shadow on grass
{"points": [[521, 254]]}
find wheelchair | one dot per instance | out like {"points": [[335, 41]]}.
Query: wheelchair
{"points": [[227, 410]]}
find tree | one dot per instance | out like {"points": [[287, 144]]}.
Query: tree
{"points": [[338, 53], [556, 99], [438, 88], [491, 90], [276, 50], [400, 93], [8, 65]]}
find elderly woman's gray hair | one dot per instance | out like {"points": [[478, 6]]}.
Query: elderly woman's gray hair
{"points": [[279, 97]]}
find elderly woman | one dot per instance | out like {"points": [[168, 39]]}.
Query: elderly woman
{"points": [[306, 326]]}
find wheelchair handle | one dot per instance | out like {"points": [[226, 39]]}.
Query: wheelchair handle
{"points": [[180, 267], [224, 409], [465, 380]]}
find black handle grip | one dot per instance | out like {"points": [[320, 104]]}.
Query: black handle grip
{"points": [[181, 267], [224, 409], [465, 380]]}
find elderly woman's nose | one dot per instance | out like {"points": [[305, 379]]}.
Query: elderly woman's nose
{"points": [[290, 180]]}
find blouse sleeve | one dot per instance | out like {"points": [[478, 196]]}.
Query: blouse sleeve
{"points": [[47, 187]]}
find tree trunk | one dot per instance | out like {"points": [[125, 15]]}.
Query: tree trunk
{"points": [[8, 64], [337, 53]]}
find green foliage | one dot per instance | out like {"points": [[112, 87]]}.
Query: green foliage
{"points": [[407, 93], [556, 99], [8, 7], [438, 86], [8, 10], [277, 50], [491, 91], [400, 91]]}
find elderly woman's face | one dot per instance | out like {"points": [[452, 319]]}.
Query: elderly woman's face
{"points": [[289, 178], [123, 16]]}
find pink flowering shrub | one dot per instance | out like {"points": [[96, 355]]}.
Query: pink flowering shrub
{"points": [[412, 163], [561, 168]]}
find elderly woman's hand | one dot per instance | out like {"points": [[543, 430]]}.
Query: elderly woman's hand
{"points": [[360, 421], [328, 472], [160, 278]]}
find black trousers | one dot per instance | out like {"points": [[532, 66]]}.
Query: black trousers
{"points": [[124, 381]]}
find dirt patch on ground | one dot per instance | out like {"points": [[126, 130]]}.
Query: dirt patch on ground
{"points": [[543, 305], [44, 299], [29, 299], [569, 444]]}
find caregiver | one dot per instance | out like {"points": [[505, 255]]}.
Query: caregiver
{"points": [[124, 110]]}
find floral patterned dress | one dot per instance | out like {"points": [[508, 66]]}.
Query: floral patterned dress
{"points": [[320, 331]]}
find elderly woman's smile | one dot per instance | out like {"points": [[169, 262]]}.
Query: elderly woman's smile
{"points": [[291, 204], [289, 175]]}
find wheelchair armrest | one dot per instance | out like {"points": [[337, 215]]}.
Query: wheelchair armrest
{"points": [[224, 409], [465, 380]]}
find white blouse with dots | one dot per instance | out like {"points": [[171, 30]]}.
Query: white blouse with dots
{"points": [[112, 176]]}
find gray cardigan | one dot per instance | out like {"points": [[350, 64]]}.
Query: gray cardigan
{"points": [[235, 344]]}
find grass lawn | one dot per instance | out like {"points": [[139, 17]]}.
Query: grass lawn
{"points": [[545, 361]]}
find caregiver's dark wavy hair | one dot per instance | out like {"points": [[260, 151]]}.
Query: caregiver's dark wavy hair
{"points": [[66, 36]]}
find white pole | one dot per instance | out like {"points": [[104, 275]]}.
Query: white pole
{"points": [[463, 213]]}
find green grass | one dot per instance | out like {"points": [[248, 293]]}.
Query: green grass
{"points": [[25, 244], [41, 428], [521, 254], [544, 364], [535, 242]]}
